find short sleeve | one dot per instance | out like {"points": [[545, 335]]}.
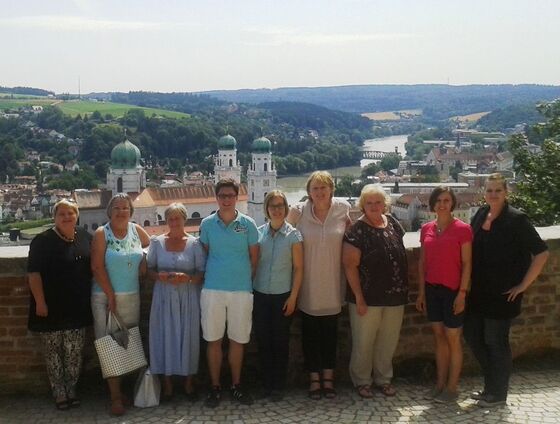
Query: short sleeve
{"points": [[204, 233], [36, 254], [199, 256], [295, 237], [352, 236], [529, 237], [399, 230], [466, 234], [253, 233], [151, 258]]}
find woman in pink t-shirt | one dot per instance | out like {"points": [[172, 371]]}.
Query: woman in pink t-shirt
{"points": [[444, 271]]}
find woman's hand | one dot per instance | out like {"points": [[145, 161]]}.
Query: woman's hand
{"points": [[289, 306], [514, 292], [459, 303], [112, 303], [174, 278], [421, 302], [361, 307], [41, 309]]}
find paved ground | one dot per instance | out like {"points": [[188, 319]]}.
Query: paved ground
{"points": [[534, 398]]}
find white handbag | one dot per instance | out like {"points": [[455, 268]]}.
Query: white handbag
{"points": [[120, 352], [147, 390]]}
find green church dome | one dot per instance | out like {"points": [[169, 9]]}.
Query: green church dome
{"points": [[125, 155], [261, 145], [227, 142]]}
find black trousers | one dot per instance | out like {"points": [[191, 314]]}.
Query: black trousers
{"points": [[272, 329], [319, 339]]}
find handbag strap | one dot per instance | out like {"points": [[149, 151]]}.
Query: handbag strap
{"points": [[117, 318]]}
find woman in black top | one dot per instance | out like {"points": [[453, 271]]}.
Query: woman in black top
{"points": [[376, 267], [508, 255], [60, 281]]}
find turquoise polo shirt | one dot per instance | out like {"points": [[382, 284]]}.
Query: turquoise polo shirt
{"points": [[228, 266], [274, 272]]}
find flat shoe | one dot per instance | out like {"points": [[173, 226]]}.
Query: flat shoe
{"points": [[315, 394], [387, 390], [117, 408], [328, 392]]}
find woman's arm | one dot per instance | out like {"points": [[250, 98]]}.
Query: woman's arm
{"points": [[421, 299], [466, 266], [36, 287], [294, 215], [351, 256], [297, 277], [537, 264], [98, 247]]}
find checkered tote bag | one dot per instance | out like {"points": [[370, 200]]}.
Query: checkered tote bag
{"points": [[120, 351]]}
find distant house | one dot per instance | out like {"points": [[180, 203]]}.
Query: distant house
{"points": [[504, 161], [37, 109], [72, 166]]}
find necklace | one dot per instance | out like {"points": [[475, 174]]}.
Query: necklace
{"points": [[63, 237]]}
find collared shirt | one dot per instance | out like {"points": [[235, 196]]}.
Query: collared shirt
{"points": [[228, 266], [274, 272]]}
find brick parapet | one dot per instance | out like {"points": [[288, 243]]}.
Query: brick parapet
{"points": [[22, 367]]}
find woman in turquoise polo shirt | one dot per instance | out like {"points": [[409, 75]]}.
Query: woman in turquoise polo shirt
{"points": [[276, 287]]}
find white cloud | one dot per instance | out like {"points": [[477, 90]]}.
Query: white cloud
{"points": [[78, 23], [279, 37]]}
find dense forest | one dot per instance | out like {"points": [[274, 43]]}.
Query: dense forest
{"points": [[436, 101]]}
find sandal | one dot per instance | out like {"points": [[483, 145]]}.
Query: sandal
{"points": [[364, 391], [387, 390], [315, 394], [329, 392], [62, 405], [117, 407]]}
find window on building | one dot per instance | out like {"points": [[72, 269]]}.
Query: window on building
{"points": [[266, 183], [119, 185], [265, 167], [146, 223], [94, 226], [195, 215]]}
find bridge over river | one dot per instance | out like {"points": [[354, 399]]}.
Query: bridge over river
{"points": [[376, 154]]}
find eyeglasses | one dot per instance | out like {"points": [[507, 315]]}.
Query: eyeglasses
{"points": [[277, 207], [118, 209], [226, 196]]}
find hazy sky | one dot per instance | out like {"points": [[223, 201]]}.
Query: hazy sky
{"points": [[184, 45]]}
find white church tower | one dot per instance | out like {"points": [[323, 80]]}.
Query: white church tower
{"points": [[126, 175], [225, 164], [261, 178]]}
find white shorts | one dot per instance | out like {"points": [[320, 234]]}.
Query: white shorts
{"points": [[218, 307]]}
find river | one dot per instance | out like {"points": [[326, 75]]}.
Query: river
{"points": [[294, 187]]}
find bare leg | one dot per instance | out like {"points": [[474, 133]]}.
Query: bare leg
{"points": [[167, 385], [314, 381], [453, 336], [214, 356], [189, 384], [442, 354], [235, 358]]}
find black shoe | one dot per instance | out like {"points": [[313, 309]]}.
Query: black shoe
{"points": [[477, 395], [490, 401], [241, 395], [213, 398]]}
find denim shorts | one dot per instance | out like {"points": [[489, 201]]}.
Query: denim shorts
{"points": [[439, 305]]}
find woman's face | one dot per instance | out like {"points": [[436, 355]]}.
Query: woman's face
{"points": [[320, 192], [276, 209], [175, 221], [120, 212], [374, 206], [65, 217], [444, 204], [495, 193]]}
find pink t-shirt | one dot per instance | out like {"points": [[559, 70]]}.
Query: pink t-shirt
{"points": [[442, 253]]}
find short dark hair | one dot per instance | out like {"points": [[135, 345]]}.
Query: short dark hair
{"points": [[227, 182], [437, 192], [271, 195]]}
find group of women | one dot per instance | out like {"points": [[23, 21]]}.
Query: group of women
{"points": [[305, 253]]}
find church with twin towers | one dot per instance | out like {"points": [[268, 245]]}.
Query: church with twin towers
{"points": [[127, 175]]}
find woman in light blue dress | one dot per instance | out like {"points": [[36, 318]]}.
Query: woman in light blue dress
{"points": [[176, 263]]}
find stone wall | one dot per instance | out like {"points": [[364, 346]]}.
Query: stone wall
{"points": [[22, 368]]}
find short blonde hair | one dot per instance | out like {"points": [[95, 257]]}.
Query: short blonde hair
{"points": [[116, 198], [176, 208], [271, 195], [496, 176], [373, 190], [321, 177], [69, 203]]}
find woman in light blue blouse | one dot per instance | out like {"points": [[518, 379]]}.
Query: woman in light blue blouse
{"points": [[276, 286], [176, 262]]}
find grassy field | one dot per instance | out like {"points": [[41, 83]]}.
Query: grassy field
{"points": [[83, 107], [75, 107], [469, 119], [392, 116]]}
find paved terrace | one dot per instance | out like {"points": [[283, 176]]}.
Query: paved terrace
{"points": [[534, 398]]}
